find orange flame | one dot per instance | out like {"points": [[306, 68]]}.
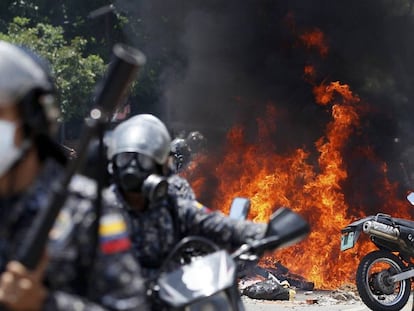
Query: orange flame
{"points": [[315, 39], [309, 72], [272, 180]]}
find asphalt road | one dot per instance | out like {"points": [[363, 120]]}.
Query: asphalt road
{"points": [[312, 301]]}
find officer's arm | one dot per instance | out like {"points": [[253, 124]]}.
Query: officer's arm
{"points": [[113, 281], [180, 187], [117, 288], [197, 219]]}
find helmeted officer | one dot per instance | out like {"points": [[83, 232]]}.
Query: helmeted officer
{"points": [[196, 142], [181, 154], [75, 273], [140, 147], [184, 150]]}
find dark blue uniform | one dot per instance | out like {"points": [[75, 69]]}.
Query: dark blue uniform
{"points": [[163, 224], [111, 282], [180, 187]]}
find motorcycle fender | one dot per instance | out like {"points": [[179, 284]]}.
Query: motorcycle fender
{"points": [[349, 239], [351, 233]]}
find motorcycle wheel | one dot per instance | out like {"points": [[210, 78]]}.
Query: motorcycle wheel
{"points": [[373, 286]]}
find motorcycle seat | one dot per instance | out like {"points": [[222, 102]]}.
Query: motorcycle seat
{"points": [[404, 222]]}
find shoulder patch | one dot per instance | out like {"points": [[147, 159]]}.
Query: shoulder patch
{"points": [[113, 234], [202, 207], [199, 205]]}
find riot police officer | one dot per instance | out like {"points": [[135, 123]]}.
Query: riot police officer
{"points": [[30, 162], [139, 148], [196, 142], [181, 154], [184, 150]]}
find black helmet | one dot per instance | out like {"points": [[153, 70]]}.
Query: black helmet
{"points": [[195, 141]]}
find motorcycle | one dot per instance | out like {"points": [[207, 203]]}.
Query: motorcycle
{"points": [[239, 210], [383, 276], [209, 282]]}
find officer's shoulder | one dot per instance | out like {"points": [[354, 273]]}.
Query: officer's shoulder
{"points": [[83, 186], [178, 182], [175, 178], [190, 205], [110, 196]]}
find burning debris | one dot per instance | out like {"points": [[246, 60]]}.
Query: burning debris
{"points": [[268, 290], [314, 181], [279, 78], [271, 180], [272, 283], [282, 273], [278, 283], [346, 292]]}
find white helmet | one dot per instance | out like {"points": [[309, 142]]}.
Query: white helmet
{"points": [[25, 81], [20, 73], [143, 133]]}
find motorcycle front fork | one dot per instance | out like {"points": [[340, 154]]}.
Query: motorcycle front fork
{"points": [[233, 296]]}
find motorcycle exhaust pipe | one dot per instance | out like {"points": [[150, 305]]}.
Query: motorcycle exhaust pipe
{"points": [[381, 230]]}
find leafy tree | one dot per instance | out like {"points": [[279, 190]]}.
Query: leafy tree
{"points": [[100, 30], [115, 23], [75, 74]]}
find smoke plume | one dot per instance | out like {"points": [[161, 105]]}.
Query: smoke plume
{"points": [[225, 61]]}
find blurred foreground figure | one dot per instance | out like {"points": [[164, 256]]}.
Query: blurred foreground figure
{"points": [[161, 214], [77, 272]]}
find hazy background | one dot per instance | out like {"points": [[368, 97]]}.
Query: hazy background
{"points": [[227, 60]]}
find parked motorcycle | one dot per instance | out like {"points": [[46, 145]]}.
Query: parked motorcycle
{"points": [[210, 282], [383, 276]]}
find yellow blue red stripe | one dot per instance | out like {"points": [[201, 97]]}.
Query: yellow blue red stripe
{"points": [[113, 234]]}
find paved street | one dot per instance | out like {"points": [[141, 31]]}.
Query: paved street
{"points": [[311, 301]]}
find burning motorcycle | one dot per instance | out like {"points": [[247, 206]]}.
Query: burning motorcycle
{"points": [[209, 282], [384, 276]]}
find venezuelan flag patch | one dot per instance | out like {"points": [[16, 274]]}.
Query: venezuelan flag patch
{"points": [[113, 234], [202, 207]]}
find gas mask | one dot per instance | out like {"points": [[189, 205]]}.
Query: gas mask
{"points": [[155, 187], [9, 152], [136, 172]]}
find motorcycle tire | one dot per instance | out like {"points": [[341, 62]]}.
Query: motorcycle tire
{"points": [[374, 289]]}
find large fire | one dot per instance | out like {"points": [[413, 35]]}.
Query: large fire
{"points": [[313, 188]]}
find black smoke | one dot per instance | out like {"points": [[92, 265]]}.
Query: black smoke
{"points": [[222, 62]]}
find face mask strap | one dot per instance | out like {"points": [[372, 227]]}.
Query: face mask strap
{"points": [[23, 149], [14, 153]]}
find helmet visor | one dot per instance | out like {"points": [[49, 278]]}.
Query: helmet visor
{"points": [[124, 159]]}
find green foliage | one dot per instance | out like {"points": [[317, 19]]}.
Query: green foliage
{"points": [[61, 23], [75, 74]]}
